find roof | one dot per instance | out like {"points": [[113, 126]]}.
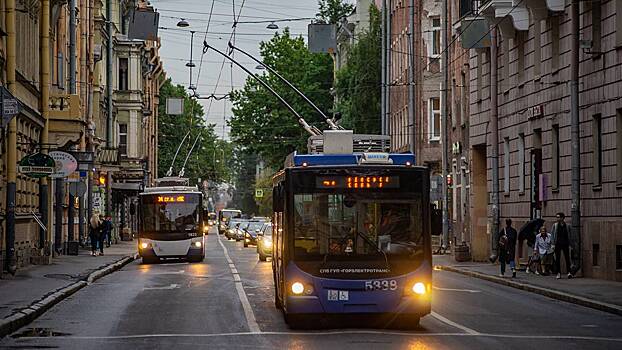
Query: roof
{"points": [[396, 159]]}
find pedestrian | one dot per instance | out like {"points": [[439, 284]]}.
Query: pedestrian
{"points": [[560, 239], [506, 245], [94, 233], [106, 227], [543, 252], [108, 230]]}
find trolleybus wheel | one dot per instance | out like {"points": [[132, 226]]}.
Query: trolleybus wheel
{"points": [[405, 322]]}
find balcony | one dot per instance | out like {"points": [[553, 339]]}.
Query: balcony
{"points": [[511, 15], [472, 28], [65, 121], [539, 9]]}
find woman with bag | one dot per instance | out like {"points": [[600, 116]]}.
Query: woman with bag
{"points": [[94, 233], [543, 252]]}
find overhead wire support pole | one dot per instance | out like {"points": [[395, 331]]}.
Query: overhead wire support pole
{"points": [[305, 125], [329, 121], [444, 117]]}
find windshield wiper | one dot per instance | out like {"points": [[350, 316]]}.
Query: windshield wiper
{"points": [[374, 245]]}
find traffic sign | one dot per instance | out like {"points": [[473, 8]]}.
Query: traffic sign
{"points": [[10, 106], [77, 188]]}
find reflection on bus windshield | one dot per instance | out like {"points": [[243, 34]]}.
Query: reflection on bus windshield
{"points": [[355, 225]]}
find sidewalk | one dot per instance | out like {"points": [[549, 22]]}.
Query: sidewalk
{"points": [[36, 288], [598, 294]]}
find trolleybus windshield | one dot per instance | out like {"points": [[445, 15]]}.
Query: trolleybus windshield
{"points": [[358, 225], [168, 213]]}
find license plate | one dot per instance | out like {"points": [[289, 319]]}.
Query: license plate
{"points": [[338, 295], [381, 285]]}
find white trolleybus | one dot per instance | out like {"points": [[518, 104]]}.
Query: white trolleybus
{"points": [[171, 222]]}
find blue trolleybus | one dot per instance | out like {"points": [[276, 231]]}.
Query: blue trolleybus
{"points": [[351, 235]]}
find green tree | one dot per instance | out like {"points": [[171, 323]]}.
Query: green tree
{"points": [[332, 11], [204, 162], [263, 125], [357, 85]]}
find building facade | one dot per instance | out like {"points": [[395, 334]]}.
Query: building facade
{"points": [[534, 143]]}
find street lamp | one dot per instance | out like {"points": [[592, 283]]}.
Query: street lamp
{"points": [[191, 64], [260, 67], [272, 25], [183, 23]]}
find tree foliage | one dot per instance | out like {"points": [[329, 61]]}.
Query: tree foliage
{"points": [[332, 11], [262, 124], [208, 160], [358, 83]]}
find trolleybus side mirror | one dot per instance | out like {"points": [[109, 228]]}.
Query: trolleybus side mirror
{"points": [[436, 218]]}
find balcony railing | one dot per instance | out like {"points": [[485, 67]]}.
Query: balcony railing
{"points": [[470, 7]]}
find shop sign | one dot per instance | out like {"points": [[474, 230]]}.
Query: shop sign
{"points": [[66, 164], [37, 165], [535, 112]]}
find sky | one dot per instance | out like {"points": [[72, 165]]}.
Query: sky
{"points": [[175, 41]]}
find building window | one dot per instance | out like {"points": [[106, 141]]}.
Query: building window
{"points": [[434, 119], [480, 72], [520, 60], [619, 146], [506, 165], [597, 154], [505, 70], [618, 23], [555, 157], [123, 73], [60, 69], [123, 139], [554, 43], [436, 37], [521, 163], [595, 252], [596, 26], [537, 49]]}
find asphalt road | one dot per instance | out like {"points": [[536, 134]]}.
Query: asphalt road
{"points": [[226, 302]]}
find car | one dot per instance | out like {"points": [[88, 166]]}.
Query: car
{"points": [[264, 242], [232, 228], [251, 231], [239, 230]]}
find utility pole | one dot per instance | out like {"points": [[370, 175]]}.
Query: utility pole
{"points": [[444, 118], [90, 130], [574, 133], [11, 149], [72, 91], [109, 120], [383, 87], [411, 76], [494, 136], [44, 47]]}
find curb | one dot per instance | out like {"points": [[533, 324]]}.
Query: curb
{"points": [[28, 314], [554, 294]]}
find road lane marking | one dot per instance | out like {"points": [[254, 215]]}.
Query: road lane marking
{"points": [[171, 286], [454, 324], [246, 305], [456, 290], [344, 332]]}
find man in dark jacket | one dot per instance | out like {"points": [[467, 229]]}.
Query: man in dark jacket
{"points": [[560, 239], [106, 234], [506, 244]]}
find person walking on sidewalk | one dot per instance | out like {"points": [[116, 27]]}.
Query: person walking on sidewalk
{"points": [[560, 239], [94, 233], [543, 252], [507, 247], [106, 229]]}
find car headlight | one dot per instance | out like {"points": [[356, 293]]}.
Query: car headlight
{"points": [[198, 244], [205, 228], [145, 245], [299, 288], [419, 288]]}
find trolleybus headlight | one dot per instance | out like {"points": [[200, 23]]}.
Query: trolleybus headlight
{"points": [[419, 288], [144, 245], [198, 244], [298, 288], [206, 228]]}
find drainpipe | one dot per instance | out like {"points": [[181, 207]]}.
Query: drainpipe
{"points": [[84, 98], [494, 135], [411, 76], [91, 146], [44, 47], [387, 90], [10, 263], [109, 120], [575, 137]]}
